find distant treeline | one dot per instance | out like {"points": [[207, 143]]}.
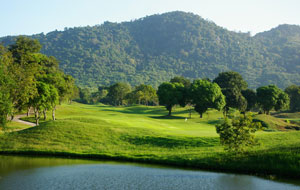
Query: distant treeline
{"points": [[30, 79], [227, 90]]}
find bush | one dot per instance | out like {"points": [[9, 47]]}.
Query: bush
{"points": [[238, 134]]}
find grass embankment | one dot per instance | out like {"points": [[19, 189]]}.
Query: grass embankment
{"points": [[13, 126], [144, 134]]}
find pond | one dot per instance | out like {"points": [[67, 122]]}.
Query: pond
{"points": [[57, 173]]}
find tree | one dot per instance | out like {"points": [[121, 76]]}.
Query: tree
{"points": [[294, 93], [169, 94], [23, 71], [231, 80], [186, 99], [53, 100], [84, 96], [180, 79], [5, 84], [117, 93], [205, 94], [143, 94], [232, 84], [283, 101], [271, 97], [238, 134], [251, 98], [41, 101], [5, 107]]}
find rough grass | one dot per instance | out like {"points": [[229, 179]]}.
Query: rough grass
{"points": [[145, 134]]}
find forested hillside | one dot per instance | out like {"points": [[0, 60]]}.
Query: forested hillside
{"points": [[155, 48]]}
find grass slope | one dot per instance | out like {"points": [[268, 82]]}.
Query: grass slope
{"points": [[144, 134]]}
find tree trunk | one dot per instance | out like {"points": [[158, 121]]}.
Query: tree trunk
{"points": [[201, 115], [53, 113], [170, 110], [45, 115], [36, 116], [28, 111]]}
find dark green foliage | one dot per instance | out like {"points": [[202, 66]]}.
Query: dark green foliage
{"points": [[118, 92], [251, 98], [271, 97], [85, 96], [230, 80], [205, 94], [294, 93], [180, 79], [156, 48], [186, 99], [236, 135], [99, 96], [169, 94], [232, 84]]}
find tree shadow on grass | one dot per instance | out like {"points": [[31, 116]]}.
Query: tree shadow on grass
{"points": [[135, 110], [169, 142], [214, 122], [167, 117]]}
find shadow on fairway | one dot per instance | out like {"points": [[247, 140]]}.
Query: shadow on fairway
{"points": [[167, 117]]}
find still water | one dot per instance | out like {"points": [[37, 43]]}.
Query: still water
{"points": [[27, 173]]}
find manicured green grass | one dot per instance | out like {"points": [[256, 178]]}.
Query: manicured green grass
{"points": [[145, 134], [13, 126]]}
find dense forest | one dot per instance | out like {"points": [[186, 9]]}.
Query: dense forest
{"points": [[156, 48]]}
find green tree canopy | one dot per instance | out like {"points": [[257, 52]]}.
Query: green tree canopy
{"points": [[169, 94], [271, 97], [143, 94], [294, 93], [186, 99], [5, 85], [117, 93], [205, 94], [232, 84], [42, 100], [180, 79], [251, 98]]}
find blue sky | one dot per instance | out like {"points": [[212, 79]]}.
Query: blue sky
{"points": [[36, 16]]}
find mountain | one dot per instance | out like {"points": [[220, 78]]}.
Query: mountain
{"points": [[155, 48]]}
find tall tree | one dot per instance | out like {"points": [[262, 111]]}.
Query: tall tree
{"points": [[23, 71], [232, 84], [5, 84], [169, 94], [251, 98], [271, 97], [118, 91], [205, 94], [41, 101], [294, 93]]}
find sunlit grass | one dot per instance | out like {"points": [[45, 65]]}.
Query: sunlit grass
{"points": [[145, 134]]}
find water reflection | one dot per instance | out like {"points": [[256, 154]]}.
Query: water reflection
{"points": [[44, 173]]}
